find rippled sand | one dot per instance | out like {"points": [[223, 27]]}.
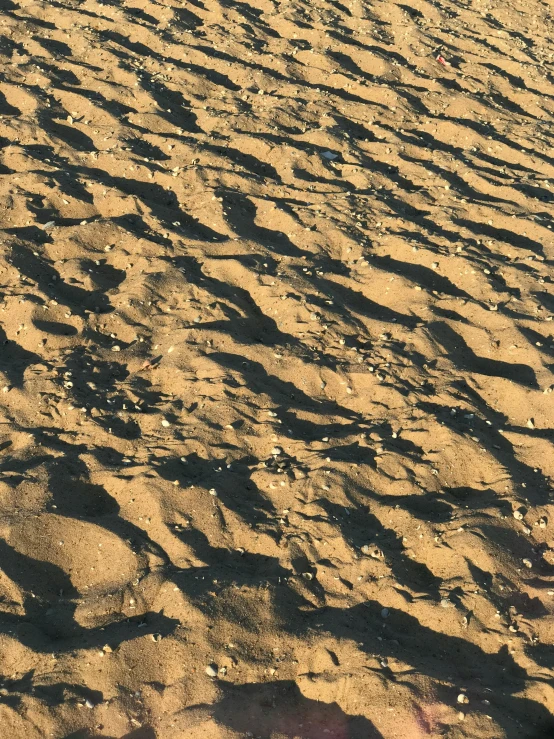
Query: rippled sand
{"points": [[276, 352]]}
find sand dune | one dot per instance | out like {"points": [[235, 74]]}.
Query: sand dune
{"points": [[276, 354]]}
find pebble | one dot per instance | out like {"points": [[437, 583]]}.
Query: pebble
{"points": [[211, 670], [462, 698], [165, 423], [116, 348], [528, 563], [276, 451], [518, 514], [385, 613]]}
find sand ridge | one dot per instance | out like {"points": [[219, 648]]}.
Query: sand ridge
{"points": [[276, 353]]}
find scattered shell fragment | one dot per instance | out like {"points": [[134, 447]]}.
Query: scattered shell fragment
{"points": [[373, 551], [211, 670]]}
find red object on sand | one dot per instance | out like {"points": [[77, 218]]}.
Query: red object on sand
{"points": [[442, 60]]}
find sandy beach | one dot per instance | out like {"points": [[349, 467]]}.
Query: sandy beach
{"points": [[276, 369]]}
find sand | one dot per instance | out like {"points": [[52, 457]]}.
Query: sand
{"points": [[276, 353]]}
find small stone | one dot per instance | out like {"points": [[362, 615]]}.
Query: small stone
{"points": [[116, 348], [89, 703], [385, 613], [528, 563], [462, 698], [530, 424], [517, 514], [165, 423], [276, 451], [107, 649], [211, 670]]}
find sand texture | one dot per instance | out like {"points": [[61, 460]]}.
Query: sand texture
{"points": [[276, 353]]}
